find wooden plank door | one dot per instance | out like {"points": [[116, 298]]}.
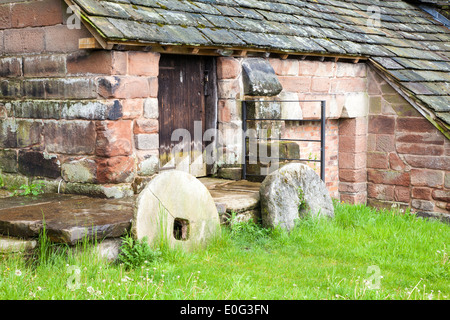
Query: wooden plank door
{"points": [[184, 115]]}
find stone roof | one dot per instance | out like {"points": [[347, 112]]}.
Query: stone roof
{"points": [[408, 45]]}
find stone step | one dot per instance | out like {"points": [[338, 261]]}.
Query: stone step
{"points": [[68, 218], [240, 197]]}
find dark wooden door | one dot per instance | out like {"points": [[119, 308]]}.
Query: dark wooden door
{"points": [[186, 86]]}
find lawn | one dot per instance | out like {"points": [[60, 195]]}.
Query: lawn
{"points": [[360, 254]]}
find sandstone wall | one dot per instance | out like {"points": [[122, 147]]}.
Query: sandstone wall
{"points": [[342, 85], [408, 159], [88, 116]]}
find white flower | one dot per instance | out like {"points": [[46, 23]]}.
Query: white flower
{"points": [[18, 273], [90, 290]]}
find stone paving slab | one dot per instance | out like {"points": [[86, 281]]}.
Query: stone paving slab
{"points": [[68, 218], [10, 245], [238, 196]]}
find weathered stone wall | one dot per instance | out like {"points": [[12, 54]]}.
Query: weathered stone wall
{"points": [[408, 159], [342, 85], [87, 116], [230, 92]]}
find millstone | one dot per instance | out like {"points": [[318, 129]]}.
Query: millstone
{"points": [[177, 208], [291, 192]]}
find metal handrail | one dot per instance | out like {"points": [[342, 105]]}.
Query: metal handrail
{"points": [[322, 121]]}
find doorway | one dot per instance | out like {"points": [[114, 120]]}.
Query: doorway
{"points": [[187, 98]]}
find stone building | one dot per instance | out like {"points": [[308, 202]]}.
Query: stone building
{"points": [[91, 92]]}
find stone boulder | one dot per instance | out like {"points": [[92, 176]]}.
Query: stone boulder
{"points": [[292, 192], [259, 78], [177, 208]]}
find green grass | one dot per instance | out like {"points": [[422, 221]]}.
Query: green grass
{"points": [[319, 259]]}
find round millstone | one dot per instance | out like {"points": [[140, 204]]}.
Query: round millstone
{"points": [[177, 208], [293, 191]]}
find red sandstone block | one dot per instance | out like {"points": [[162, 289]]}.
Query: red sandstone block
{"points": [[44, 66], [69, 88], [427, 138], [132, 108], [389, 177], [97, 62], [414, 125], [36, 13], [224, 111], [380, 191], [69, 137], [421, 193], [153, 87], [296, 84], [354, 126], [429, 162], [143, 63], [228, 89], [441, 195], [59, 38], [115, 169], [320, 84], [287, 67], [316, 68], [385, 143], [373, 84], [346, 85], [353, 198], [351, 175], [146, 126], [352, 160], [377, 160], [10, 67], [2, 43], [430, 178], [114, 138], [351, 187], [228, 68], [352, 144], [402, 194], [381, 124], [24, 40], [419, 149], [395, 163], [344, 69], [125, 87], [371, 142], [5, 16]]}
